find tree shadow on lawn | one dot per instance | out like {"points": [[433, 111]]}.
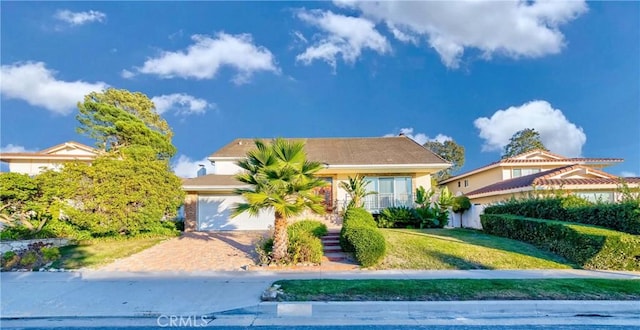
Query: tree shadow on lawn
{"points": [[457, 262], [476, 237]]}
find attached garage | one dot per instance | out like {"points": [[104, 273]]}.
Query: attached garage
{"points": [[214, 214]]}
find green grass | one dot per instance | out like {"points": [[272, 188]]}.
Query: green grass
{"points": [[459, 289], [98, 252], [462, 249]]}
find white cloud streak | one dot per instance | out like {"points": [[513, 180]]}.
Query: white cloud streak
{"points": [[343, 36], [184, 167], [33, 83], [420, 138], [206, 56], [79, 18], [557, 133], [181, 104], [14, 148], [511, 28]]}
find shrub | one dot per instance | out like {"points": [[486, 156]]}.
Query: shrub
{"points": [[50, 253], [588, 246], [397, 217], [360, 234], [9, 260], [369, 244], [460, 204], [304, 247], [354, 217], [29, 259], [623, 216], [314, 227]]}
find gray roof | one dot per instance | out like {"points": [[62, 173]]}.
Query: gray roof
{"points": [[350, 151]]}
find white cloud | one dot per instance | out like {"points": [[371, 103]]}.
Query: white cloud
{"points": [[343, 35], [80, 18], [126, 74], [421, 138], [184, 167], [512, 28], [34, 83], [183, 104], [556, 132], [628, 174], [14, 148], [206, 56]]}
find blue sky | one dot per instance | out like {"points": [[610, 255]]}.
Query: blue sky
{"points": [[475, 72]]}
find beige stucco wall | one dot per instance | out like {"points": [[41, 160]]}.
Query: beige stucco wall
{"points": [[30, 167], [476, 181]]}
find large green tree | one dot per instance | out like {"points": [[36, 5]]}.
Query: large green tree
{"points": [[282, 180], [522, 141], [119, 118], [450, 151], [122, 194]]}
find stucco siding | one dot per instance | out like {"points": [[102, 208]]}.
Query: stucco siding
{"points": [[223, 167]]}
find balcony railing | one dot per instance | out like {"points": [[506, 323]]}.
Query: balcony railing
{"points": [[377, 202]]}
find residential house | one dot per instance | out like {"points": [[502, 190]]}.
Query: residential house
{"points": [[537, 171], [394, 167], [32, 163]]}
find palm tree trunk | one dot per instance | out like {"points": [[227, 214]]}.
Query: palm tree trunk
{"points": [[280, 238]]}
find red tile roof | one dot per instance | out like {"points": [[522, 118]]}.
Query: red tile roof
{"points": [[545, 178]]}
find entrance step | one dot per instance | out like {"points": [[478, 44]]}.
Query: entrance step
{"points": [[332, 250]]}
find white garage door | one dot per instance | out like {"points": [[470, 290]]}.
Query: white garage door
{"points": [[214, 213]]}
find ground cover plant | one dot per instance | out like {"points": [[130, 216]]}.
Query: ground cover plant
{"points": [[458, 289], [462, 249], [37, 255]]}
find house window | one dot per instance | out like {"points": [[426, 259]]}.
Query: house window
{"points": [[518, 172], [466, 183], [458, 184], [390, 191]]}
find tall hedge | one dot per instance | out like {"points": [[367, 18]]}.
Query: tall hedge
{"points": [[588, 246], [624, 216], [360, 235]]}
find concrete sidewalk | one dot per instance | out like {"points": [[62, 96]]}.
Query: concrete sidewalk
{"points": [[92, 294]]}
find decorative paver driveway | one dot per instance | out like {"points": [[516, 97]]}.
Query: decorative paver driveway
{"points": [[233, 251], [194, 252]]}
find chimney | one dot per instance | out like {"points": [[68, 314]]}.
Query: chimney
{"points": [[202, 170]]}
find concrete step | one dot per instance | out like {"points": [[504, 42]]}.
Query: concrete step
{"points": [[335, 248], [332, 243], [331, 236], [336, 256]]}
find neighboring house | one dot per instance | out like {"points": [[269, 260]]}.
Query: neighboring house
{"points": [[32, 163], [394, 166], [537, 171]]}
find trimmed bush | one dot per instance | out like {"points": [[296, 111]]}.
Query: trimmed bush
{"points": [[370, 245], [354, 217], [588, 246], [361, 235], [314, 227], [623, 216], [304, 248]]}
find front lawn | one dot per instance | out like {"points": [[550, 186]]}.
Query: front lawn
{"points": [[459, 289], [462, 249], [98, 252]]}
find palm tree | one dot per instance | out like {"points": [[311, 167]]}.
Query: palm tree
{"points": [[356, 188], [282, 180]]}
